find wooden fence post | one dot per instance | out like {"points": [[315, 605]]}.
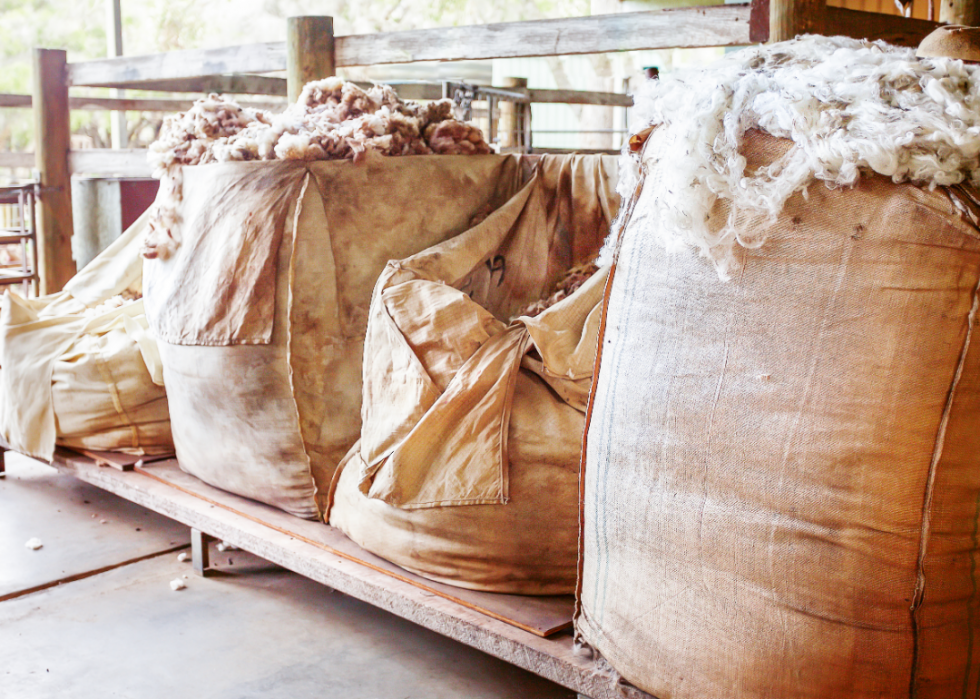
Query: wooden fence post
{"points": [[960, 12], [511, 127], [787, 18], [52, 137], [309, 52]]}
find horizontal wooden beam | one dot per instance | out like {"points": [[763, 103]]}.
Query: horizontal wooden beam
{"points": [[9, 159], [15, 101], [127, 162], [126, 104], [609, 99], [894, 29], [224, 84], [722, 25], [250, 58]]}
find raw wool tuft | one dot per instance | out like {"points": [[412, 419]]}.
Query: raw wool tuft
{"points": [[569, 283], [849, 106], [332, 120]]}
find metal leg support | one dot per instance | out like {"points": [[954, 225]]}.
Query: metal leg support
{"points": [[200, 556]]}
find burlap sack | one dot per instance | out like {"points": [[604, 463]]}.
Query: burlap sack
{"points": [[79, 375], [466, 471], [261, 311], [782, 471]]}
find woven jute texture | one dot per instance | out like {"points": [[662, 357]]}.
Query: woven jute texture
{"points": [[467, 468], [782, 474]]}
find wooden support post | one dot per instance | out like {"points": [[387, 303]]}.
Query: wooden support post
{"points": [[118, 126], [788, 18], [3, 463], [960, 12], [52, 135], [511, 128], [309, 52], [200, 555]]}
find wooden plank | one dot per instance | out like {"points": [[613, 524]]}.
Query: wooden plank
{"points": [[610, 99], [789, 18], [873, 25], [9, 159], [759, 22], [408, 91], [251, 58], [542, 616], [309, 52], [563, 151], [510, 127], [52, 128], [965, 12], [553, 658], [129, 104], [127, 162], [15, 101], [722, 25], [120, 461], [223, 84]]}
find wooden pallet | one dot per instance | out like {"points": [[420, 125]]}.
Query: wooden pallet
{"points": [[530, 632]]}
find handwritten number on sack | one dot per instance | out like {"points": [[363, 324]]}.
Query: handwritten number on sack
{"points": [[497, 264]]}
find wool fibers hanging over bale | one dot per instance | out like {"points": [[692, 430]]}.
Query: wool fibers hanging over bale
{"points": [[850, 107]]}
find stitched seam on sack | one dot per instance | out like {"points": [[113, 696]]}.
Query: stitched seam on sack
{"points": [[920, 581], [600, 336], [602, 474]]}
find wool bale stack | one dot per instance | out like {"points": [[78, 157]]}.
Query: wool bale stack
{"points": [[783, 463]]}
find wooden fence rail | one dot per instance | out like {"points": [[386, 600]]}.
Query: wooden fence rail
{"points": [[8, 100], [722, 25]]}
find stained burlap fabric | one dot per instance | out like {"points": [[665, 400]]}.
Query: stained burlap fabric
{"points": [[261, 311], [783, 470], [78, 376], [466, 471]]}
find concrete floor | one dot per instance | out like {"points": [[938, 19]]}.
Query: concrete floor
{"points": [[252, 630]]}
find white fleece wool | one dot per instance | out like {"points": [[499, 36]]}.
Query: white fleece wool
{"points": [[332, 120], [849, 106]]}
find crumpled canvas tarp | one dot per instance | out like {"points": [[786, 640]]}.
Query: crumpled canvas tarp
{"points": [[782, 471], [80, 376], [261, 311], [467, 467]]}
